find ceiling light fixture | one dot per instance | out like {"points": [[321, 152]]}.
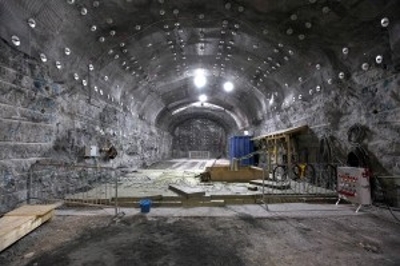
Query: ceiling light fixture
{"points": [[15, 40], [32, 23], [203, 98], [84, 11], [200, 79], [43, 57], [228, 86], [379, 59], [385, 22]]}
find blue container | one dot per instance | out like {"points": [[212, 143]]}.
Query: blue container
{"points": [[240, 146], [145, 205]]}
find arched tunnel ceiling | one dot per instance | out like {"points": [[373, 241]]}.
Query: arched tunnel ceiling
{"points": [[227, 120], [142, 54]]}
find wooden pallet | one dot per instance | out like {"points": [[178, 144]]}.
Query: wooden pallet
{"points": [[20, 222]]}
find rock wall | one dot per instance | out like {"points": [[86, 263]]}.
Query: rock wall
{"points": [[199, 135], [46, 120], [370, 98]]}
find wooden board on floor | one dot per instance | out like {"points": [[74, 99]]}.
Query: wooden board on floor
{"points": [[243, 174], [19, 222], [271, 184], [32, 210], [188, 192]]}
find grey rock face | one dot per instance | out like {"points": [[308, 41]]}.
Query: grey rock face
{"points": [[42, 121]]}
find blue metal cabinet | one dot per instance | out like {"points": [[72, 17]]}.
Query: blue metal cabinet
{"points": [[240, 146]]}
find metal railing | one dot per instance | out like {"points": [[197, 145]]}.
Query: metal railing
{"points": [[77, 184], [312, 179], [199, 155]]}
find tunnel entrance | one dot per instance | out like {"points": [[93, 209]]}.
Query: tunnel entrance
{"points": [[199, 139]]}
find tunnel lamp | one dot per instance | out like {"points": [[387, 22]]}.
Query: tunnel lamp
{"points": [[365, 66], [228, 86], [385, 22], [43, 57], [203, 98], [32, 23], [199, 79], [15, 40], [84, 11], [246, 132], [379, 59]]}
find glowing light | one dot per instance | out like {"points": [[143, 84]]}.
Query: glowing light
{"points": [[200, 79], [228, 86], [203, 98]]}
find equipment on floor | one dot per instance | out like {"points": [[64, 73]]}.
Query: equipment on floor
{"points": [[206, 176], [353, 184], [145, 205], [240, 146]]}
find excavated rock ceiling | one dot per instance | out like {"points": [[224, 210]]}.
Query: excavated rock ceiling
{"points": [[143, 54]]}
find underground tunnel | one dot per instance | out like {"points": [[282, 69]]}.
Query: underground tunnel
{"points": [[184, 103]]}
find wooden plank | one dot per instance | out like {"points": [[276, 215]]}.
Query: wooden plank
{"points": [[243, 174], [256, 168], [135, 198], [16, 227], [236, 196], [282, 133], [208, 203], [7, 223], [32, 210], [187, 192], [271, 184]]}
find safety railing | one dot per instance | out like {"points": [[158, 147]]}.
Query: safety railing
{"points": [[300, 179], [317, 179], [199, 155], [77, 184]]}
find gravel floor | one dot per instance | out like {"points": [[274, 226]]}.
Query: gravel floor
{"points": [[237, 240]]}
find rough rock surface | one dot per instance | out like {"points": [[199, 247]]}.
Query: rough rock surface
{"points": [[371, 99], [45, 120]]}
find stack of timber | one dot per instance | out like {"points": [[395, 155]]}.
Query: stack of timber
{"points": [[16, 224]]}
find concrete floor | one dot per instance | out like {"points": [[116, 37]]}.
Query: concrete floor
{"points": [[287, 234], [155, 180]]}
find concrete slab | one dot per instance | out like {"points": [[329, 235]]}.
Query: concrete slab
{"points": [[251, 210], [151, 183]]}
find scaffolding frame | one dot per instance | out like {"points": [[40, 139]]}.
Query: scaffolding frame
{"points": [[271, 149]]}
